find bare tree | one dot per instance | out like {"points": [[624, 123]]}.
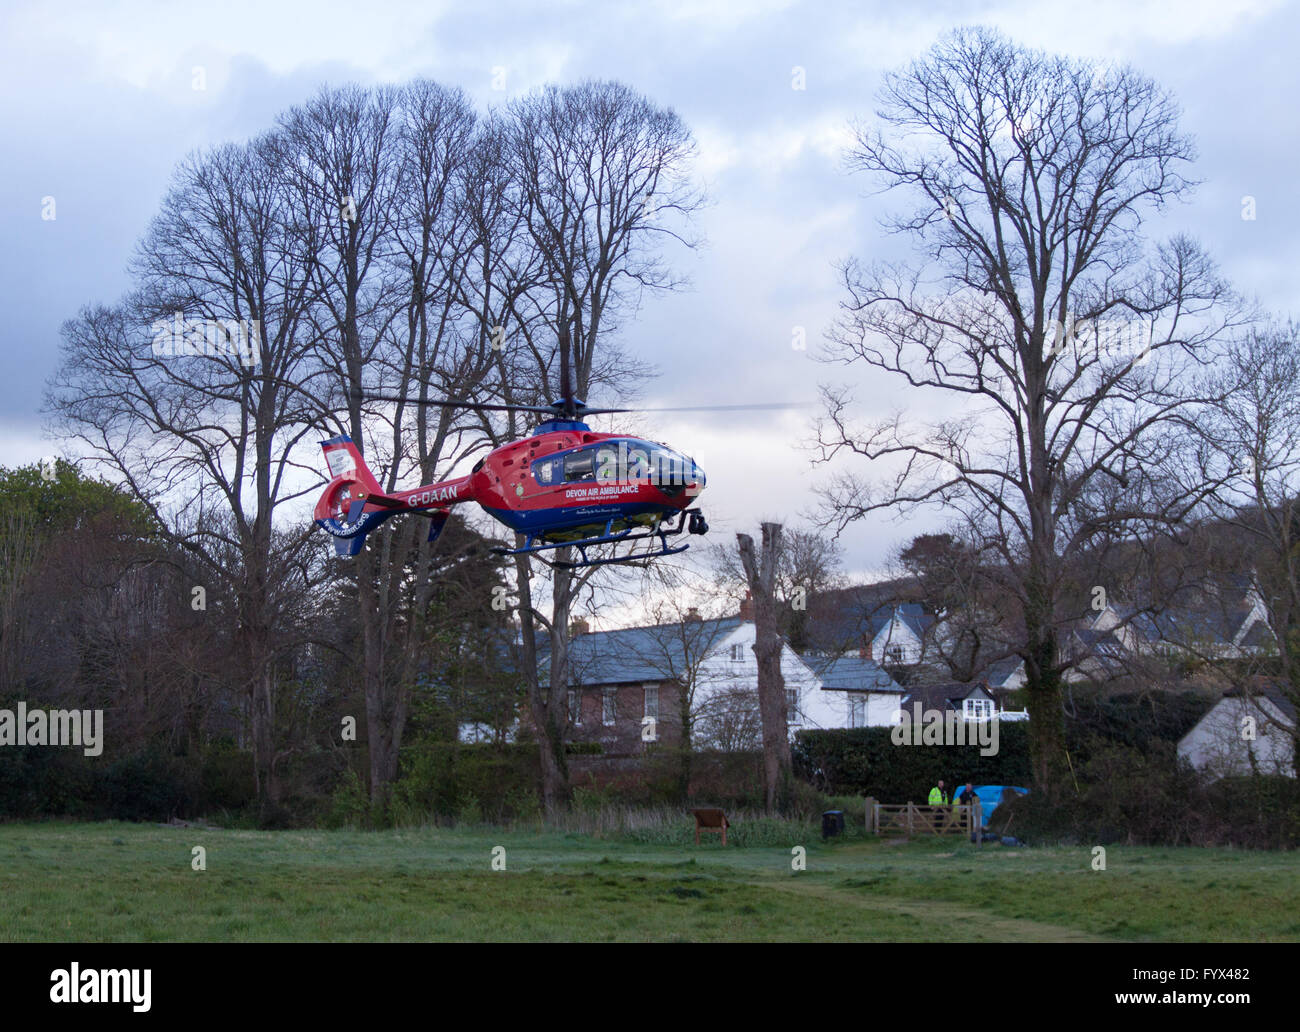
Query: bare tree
{"points": [[808, 567], [1055, 338], [380, 176], [601, 177], [1252, 434], [196, 394]]}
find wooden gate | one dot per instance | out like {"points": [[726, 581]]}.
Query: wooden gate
{"points": [[909, 819]]}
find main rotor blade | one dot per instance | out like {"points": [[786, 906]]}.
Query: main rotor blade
{"points": [[476, 405], [761, 406]]}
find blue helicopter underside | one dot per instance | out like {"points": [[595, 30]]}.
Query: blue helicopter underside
{"points": [[589, 526], [545, 523]]}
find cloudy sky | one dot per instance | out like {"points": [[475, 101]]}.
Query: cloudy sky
{"points": [[100, 103]]}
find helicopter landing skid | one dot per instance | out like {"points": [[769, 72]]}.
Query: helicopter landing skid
{"points": [[534, 545]]}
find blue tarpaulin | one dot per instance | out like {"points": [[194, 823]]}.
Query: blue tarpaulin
{"points": [[991, 795]]}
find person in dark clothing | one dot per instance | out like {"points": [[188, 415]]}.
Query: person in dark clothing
{"points": [[967, 798]]}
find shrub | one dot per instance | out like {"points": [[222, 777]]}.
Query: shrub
{"points": [[865, 761]]}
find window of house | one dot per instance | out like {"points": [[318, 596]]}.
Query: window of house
{"points": [[978, 709], [857, 712], [652, 701], [575, 707], [792, 705], [607, 705], [895, 654], [737, 653]]}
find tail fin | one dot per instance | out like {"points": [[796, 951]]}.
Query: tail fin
{"points": [[344, 460], [341, 510]]}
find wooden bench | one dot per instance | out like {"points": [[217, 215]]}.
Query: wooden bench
{"points": [[710, 819]]}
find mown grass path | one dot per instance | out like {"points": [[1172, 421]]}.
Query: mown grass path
{"points": [[122, 882]]}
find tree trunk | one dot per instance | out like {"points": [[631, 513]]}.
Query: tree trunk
{"points": [[767, 649], [547, 704]]}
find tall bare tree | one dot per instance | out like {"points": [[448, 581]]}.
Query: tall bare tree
{"points": [[381, 177], [197, 393], [808, 567], [1252, 433], [1048, 335], [602, 181]]}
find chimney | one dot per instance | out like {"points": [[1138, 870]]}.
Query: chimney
{"points": [[865, 651], [747, 609], [693, 615], [577, 627]]}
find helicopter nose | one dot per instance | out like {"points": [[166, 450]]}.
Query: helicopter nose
{"points": [[698, 478]]}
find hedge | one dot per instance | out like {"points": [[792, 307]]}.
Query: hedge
{"points": [[865, 761]]}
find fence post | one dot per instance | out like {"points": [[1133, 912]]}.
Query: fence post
{"points": [[869, 815], [909, 818], [978, 821]]}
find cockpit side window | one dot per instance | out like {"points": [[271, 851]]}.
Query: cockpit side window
{"points": [[638, 462], [580, 465]]}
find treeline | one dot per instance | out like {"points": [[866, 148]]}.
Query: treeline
{"points": [[1127, 783], [374, 251], [101, 610]]}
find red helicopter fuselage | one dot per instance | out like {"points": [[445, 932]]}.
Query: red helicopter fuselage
{"points": [[565, 484]]}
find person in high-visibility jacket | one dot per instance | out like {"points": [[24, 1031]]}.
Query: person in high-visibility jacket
{"points": [[938, 797]]}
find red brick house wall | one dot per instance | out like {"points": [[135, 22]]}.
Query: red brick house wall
{"points": [[623, 736]]}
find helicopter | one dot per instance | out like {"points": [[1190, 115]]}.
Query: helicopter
{"points": [[564, 486]]}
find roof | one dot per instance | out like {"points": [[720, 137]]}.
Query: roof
{"points": [[910, 614], [632, 655], [998, 673], [842, 619], [1259, 636], [1262, 687], [851, 673], [1200, 622], [943, 696]]}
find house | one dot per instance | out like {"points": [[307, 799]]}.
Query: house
{"points": [[623, 680], [1099, 654], [1247, 731], [854, 692], [1005, 675], [1223, 623], [897, 637], [726, 691], [629, 687], [884, 618], [973, 700]]}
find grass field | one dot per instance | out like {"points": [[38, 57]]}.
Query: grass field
{"points": [[125, 882]]}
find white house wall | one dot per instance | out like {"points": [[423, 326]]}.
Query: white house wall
{"points": [[1215, 745], [718, 672], [898, 634]]}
